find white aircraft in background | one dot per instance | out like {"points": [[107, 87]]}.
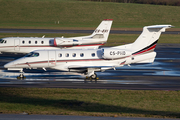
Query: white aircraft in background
{"points": [[89, 61], [27, 44]]}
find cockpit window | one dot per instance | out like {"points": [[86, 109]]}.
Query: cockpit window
{"points": [[35, 55], [32, 54], [2, 41]]}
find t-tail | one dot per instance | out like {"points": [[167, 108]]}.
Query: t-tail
{"points": [[143, 48], [97, 38], [103, 30], [146, 42]]}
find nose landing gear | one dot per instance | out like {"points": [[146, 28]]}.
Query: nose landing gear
{"points": [[21, 76]]}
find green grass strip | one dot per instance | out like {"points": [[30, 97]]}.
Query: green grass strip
{"points": [[91, 102], [73, 14]]}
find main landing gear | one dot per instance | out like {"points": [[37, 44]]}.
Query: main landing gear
{"points": [[92, 77], [90, 73], [21, 76]]}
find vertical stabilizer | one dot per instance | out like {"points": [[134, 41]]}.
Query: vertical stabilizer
{"points": [[146, 42], [103, 30]]}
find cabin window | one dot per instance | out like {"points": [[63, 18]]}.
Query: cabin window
{"points": [[67, 54], [93, 54], [29, 42], [74, 54], [35, 42], [60, 55], [23, 42], [42, 42], [82, 54], [5, 41]]}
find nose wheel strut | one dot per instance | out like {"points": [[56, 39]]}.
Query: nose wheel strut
{"points": [[21, 76]]}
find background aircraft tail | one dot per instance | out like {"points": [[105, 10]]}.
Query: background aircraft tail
{"points": [[97, 38], [146, 42], [103, 30]]}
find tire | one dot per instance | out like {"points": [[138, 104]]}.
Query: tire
{"points": [[94, 76]]}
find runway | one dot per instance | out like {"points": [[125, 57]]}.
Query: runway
{"points": [[6, 30], [163, 74]]}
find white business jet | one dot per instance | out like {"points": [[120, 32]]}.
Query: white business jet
{"points": [[91, 60], [27, 44]]}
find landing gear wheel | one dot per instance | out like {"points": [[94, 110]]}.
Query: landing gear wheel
{"points": [[21, 76], [94, 76]]}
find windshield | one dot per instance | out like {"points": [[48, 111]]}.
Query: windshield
{"points": [[32, 54], [2, 41]]}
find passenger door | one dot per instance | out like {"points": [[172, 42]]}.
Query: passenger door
{"points": [[16, 44], [52, 58]]}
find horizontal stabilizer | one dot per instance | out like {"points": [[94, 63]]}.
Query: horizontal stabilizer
{"points": [[147, 61], [158, 28]]}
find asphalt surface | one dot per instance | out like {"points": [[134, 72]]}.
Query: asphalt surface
{"points": [[163, 74], [6, 30], [24, 116]]}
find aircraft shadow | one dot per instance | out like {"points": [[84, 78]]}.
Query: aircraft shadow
{"points": [[75, 105]]}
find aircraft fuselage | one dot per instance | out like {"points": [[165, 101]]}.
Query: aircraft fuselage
{"points": [[28, 44], [69, 59]]}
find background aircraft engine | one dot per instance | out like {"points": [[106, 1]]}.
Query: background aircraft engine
{"points": [[115, 53], [65, 42]]}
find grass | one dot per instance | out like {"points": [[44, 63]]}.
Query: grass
{"points": [[75, 14], [114, 39], [90, 102]]}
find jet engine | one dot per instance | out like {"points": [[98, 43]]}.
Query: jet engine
{"points": [[65, 42], [114, 53]]}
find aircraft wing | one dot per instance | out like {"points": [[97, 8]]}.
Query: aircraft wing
{"points": [[85, 67], [90, 69]]}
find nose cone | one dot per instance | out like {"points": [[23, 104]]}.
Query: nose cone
{"points": [[9, 65]]}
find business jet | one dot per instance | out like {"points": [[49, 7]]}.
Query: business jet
{"points": [[89, 61], [27, 44]]}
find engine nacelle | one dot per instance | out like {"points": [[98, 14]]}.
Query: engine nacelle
{"points": [[65, 42], [113, 53]]}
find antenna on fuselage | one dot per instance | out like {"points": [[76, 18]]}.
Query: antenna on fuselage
{"points": [[43, 36]]}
